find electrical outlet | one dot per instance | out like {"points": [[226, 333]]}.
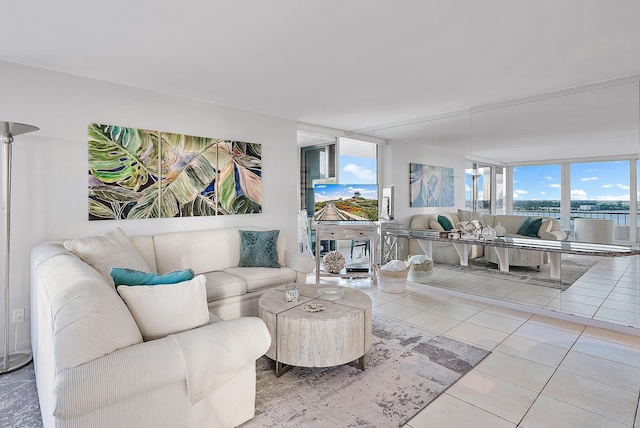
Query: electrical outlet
{"points": [[18, 316]]}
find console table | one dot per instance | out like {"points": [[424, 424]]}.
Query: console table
{"points": [[502, 246], [336, 230]]}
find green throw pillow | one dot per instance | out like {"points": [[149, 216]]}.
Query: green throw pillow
{"points": [[445, 223], [259, 248], [530, 227], [123, 276]]}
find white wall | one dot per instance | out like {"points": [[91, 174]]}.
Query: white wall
{"points": [[50, 166], [395, 158]]}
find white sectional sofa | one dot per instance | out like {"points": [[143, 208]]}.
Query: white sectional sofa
{"points": [[93, 368], [444, 252]]}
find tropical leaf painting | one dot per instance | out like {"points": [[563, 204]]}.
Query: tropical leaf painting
{"points": [[430, 186], [135, 174]]}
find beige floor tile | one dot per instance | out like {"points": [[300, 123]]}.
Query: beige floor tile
{"points": [[548, 335], [395, 310], [476, 335], [496, 322], [432, 294], [389, 297], [451, 412], [432, 322], [532, 350], [598, 280], [613, 336], [468, 303], [569, 326], [567, 307], [581, 298], [489, 291], [627, 318], [528, 298], [522, 372], [450, 310], [452, 284], [587, 292], [508, 312], [539, 290], [589, 283], [621, 306], [471, 278], [416, 301], [605, 371], [608, 350], [548, 412], [625, 291], [504, 283], [623, 297], [605, 400], [504, 399]]}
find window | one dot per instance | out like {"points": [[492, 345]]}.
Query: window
{"points": [[536, 190], [478, 188]]}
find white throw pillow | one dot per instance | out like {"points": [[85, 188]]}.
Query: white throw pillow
{"points": [[545, 227], [111, 249], [161, 310]]}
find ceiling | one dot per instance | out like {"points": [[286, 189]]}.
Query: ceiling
{"points": [[341, 64]]}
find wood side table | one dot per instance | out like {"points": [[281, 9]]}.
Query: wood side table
{"points": [[340, 334]]}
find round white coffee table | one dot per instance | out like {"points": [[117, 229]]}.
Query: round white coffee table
{"points": [[340, 334]]}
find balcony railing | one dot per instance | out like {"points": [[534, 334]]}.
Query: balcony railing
{"points": [[620, 218]]}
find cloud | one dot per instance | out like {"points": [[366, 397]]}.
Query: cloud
{"points": [[358, 171], [363, 192], [467, 188], [579, 193], [612, 198], [622, 186], [589, 179], [555, 185], [607, 186], [548, 177], [519, 192], [543, 193]]}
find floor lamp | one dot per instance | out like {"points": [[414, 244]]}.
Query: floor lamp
{"points": [[10, 362]]}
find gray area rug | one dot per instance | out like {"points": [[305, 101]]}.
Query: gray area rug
{"points": [[572, 269], [19, 406], [406, 369]]}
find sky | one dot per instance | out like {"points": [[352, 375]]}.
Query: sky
{"points": [[357, 170], [601, 181], [326, 192]]}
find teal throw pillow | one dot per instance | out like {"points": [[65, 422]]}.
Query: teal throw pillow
{"points": [[530, 227], [123, 276], [259, 248], [445, 223]]}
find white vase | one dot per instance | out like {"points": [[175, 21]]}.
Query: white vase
{"points": [[500, 230]]}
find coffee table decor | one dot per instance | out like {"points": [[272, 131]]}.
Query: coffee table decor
{"points": [[314, 307], [330, 293]]}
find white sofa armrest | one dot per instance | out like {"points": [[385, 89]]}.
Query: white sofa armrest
{"points": [[215, 352], [300, 262], [556, 235]]}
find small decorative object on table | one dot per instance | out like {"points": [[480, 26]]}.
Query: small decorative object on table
{"points": [[489, 233], [314, 307], [330, 293], [420, 269], [500, 230], [291, 293], [333, 262]]}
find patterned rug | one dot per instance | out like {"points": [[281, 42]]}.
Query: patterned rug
{"points": [[572, 269], [406, 369]]}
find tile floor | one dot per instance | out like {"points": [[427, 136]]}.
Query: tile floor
{"points": [[543, 371]]}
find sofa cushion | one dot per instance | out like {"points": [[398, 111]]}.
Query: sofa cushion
{"points": [[111, 249], [165, 309], [222, 284], [545, 227], [445, 223], [259, 248], [530, 227], [435, 225], [258, 278], [123, 276]]}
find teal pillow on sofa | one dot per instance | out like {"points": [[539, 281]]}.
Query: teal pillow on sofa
{"points": [[259, 248], [445, 223], [530, 227], [123, 276]]}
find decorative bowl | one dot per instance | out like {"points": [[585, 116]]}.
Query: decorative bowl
{"points": [[330, 293]]}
